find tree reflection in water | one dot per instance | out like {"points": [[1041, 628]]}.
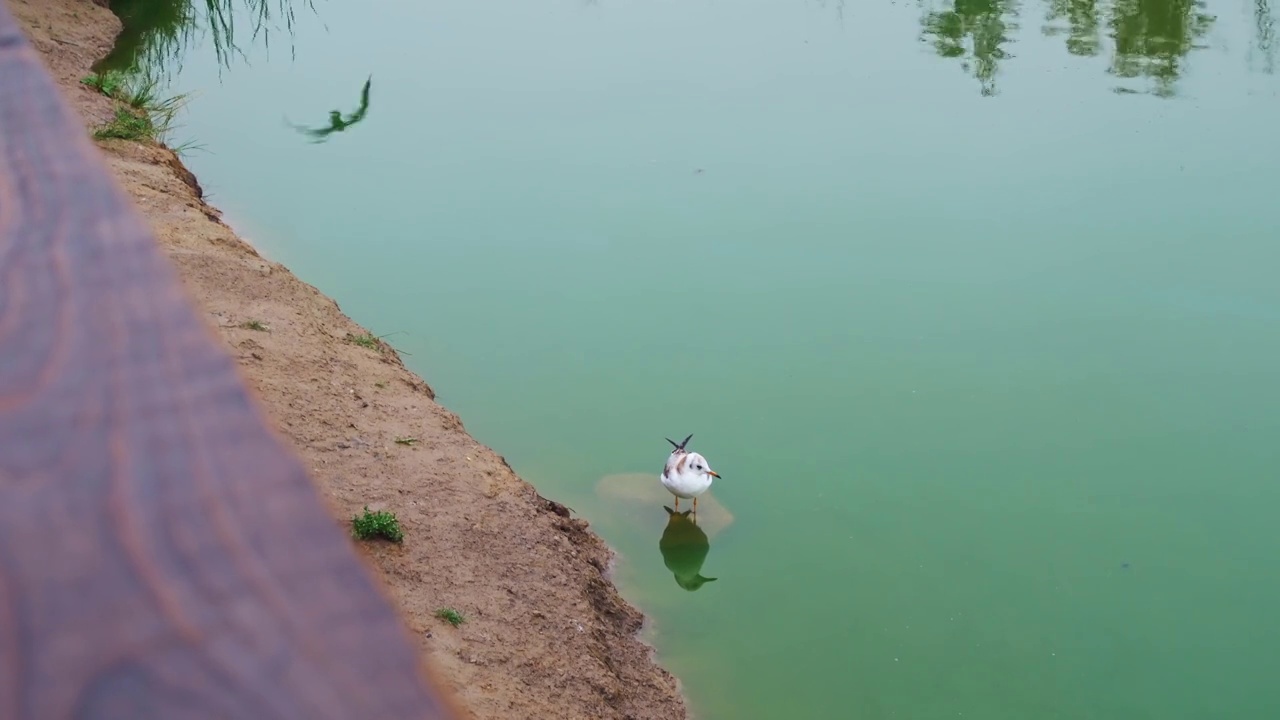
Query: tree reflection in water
{"points": [[1152, 39], [974, 31], [1149, 39]]}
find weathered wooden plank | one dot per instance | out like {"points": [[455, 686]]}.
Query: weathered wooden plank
{"points": [[162, 554]]}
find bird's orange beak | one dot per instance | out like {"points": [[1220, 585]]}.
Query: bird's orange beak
{"points": [[713, 473]]}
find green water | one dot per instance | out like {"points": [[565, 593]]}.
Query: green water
{"points": [[974, 307]]}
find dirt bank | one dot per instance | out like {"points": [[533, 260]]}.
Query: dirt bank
{"points": [[546, 633]]}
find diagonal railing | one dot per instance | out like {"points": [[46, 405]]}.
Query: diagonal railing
{"points": [[162, 553]]}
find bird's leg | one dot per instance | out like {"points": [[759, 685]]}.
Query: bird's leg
{"points": [[695, 506], [677, 497]]}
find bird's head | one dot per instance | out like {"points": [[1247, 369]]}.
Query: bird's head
{"points": [[695, 464]]}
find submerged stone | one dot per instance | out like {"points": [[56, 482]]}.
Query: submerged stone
{"points": [[640, 496]]}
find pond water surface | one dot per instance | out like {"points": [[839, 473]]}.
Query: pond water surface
{"points": [[973, 305]]}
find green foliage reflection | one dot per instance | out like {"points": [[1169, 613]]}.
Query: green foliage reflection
{"points": [[156, 33]]}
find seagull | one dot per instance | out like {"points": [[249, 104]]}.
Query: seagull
{"points": [[687, 474]]}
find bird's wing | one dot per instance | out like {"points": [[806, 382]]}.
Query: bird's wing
{"points": [[669, 470], [363, 110], [313, 132]]}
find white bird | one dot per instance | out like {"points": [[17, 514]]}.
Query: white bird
{"points": [[687, 474]]}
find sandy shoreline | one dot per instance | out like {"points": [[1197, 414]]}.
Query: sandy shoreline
{"points": [[546, 634]]}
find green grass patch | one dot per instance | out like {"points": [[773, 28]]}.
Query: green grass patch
{"points": [[379, 524], [257, 325], [136, 91], [377, 343], [406, 440], [451, 616], [366, 340], [127, 125], [110, 83], [145, 114]]}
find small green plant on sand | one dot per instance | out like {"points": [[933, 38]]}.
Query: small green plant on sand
{"points": [[145, 114], [254, 325], [127, 125], [377, 524], [367, 340], [451, 616], [137, 91], [406, 440], [374, 342], [109, 83]]}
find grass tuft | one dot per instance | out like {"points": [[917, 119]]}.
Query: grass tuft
{"points": [[367, 340], [379, 524], [109, 83], [127, 125], [451, 616], [406, 440], [146, 114], [376, 343], [254, 325]]}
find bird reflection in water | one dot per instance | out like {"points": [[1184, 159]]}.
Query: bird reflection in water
{"points": [[337, 121], [684, 548]]}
